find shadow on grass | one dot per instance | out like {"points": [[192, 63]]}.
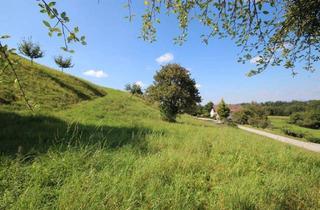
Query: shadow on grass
{"points": [[21, 134]]}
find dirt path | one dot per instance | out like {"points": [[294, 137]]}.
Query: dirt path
{"points": [[306, 145]]}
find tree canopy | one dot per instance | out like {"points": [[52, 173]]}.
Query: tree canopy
{"points": [[175, 91], [63, 63], [30, 49], [223, 110], [270, 32]]}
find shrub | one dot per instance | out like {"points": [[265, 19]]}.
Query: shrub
{"points": [[253, 115], [296, 118], [310, 119], [313, 139], [288, 131], [259, 121], [241, 117], [134, 89]]}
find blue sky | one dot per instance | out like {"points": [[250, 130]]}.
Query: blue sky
{"points": [[116, 56]]}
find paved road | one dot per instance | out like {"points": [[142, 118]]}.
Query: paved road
{"points": [[306, 145]]}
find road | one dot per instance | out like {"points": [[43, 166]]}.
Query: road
{"points": [[305, 145]]}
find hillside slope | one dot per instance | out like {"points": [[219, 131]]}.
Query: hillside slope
{"points": [[114, 152], [45, 88]]}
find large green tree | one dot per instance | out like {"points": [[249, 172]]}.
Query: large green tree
{"points": [[175, 91]]}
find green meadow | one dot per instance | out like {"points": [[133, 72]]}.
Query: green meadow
{"points": [[111, 150], [279, 122]]}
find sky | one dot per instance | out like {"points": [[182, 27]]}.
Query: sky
{"points": [[115, 56]]}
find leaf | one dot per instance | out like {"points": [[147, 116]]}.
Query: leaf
{"points": [[46, 23], [51, 4]]}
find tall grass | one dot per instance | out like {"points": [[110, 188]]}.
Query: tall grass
{"points": [[120, 155]]}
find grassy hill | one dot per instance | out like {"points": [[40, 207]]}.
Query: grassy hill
{"points": [[114, 152], [45, 88]]}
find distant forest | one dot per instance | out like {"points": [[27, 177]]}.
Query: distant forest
{"points": [[282, 108]]}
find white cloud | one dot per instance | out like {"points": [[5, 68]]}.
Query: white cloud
{"points": [[198, 86], [255, 60], [95, 73], [140, 83], [165, 58]]}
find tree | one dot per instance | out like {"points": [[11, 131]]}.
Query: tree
{"points": [[175, 91], [271, 32], [223, 110], [134, 89], [208, 107], [252, 114], [63, 63], [30, 49]]}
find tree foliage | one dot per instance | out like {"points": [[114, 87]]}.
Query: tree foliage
{"points": [[30, 49], [223, 110], [134, 89], [271, 32], [57, 24], [63, 63], [309, 119], [253, 114], [175, 91]]}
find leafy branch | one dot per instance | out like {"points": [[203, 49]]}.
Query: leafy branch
{"points": [[60, 27]]}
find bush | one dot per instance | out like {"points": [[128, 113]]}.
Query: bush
{"points": [[294, 133], [259, 121], [241, 117], [313, 139], [252, 115], [296, 118], [134, 89], [310, 119]]}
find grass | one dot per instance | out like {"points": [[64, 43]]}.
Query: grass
{"points": [[278, 122], [45, 88], [114, 152]]}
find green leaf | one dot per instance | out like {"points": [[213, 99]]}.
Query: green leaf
{"points": [[51, 4], [46, 23]]}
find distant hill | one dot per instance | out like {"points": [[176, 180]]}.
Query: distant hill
{"points": [[46, 88]]}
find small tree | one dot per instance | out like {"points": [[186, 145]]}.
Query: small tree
{"points": [[208, 107], [175, 91], [223, 110], [63, 63], [30, 49], [134, 89]]}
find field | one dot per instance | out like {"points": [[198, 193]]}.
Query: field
{"points": [[114, 152], [46, 88], [278, 122]]}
